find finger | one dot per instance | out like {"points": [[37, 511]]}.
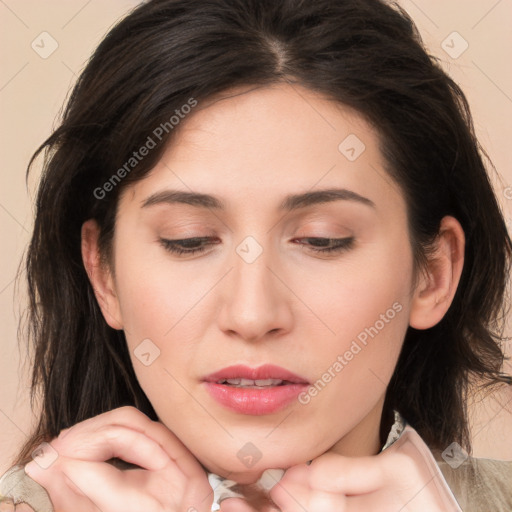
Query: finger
{"points": [[132, 418], [92, 486], [87, 437], [111, 490], [286, 494], [102, 445], [338, 474], [95, 487], [290, 496], [108, 488], [97, 447], [350, 475], [60, 489], [128, 417]]}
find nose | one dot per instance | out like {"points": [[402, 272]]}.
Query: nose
{"points": [[255, 300]]}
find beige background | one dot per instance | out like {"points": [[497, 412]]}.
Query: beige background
{"points": [[32, 90]]}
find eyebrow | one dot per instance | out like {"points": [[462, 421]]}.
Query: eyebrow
{"points": [[290, 202]]}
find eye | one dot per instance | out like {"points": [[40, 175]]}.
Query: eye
{"points": [[186, 245], [200, 243], [329, 245]]}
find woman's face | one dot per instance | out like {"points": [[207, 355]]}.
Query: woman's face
{"points": [[260, 293]]}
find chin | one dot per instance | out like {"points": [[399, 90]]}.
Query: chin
{"points": [[233, 469]]}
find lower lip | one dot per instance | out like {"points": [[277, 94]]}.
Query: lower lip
{"points": [[255, 401]]}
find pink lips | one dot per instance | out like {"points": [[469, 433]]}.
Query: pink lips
{"points": [[255, 401]]}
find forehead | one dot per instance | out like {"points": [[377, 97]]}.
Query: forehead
{"points": [[256, 144], [281, 119]]}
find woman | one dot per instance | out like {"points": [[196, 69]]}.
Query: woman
{"points": [[270, 223]]}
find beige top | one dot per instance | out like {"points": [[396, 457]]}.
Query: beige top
{"points": [[479, 485]]}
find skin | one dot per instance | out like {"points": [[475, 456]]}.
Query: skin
{"points": [[292, 306]]}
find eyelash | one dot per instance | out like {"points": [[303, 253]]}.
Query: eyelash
{"points": [[341, 244]]}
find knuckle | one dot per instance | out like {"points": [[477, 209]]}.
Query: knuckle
{"points": [[126, 412], [62, 434], [110, 434], [57, 443]]}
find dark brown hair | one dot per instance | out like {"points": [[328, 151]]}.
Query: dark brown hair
{"points": [[364, 54]]}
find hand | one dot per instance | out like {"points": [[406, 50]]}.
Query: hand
{"points": [[403, 477], [168, 478]]}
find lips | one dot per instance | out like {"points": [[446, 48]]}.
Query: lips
{"points": [[262, 373], [255, 391]]}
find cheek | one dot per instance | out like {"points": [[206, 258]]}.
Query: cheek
{"points": [[165, 312], [155, 296], [362, 295], [365, 307]]}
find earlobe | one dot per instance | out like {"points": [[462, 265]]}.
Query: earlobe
{"points": [[437, 285], [100, 276]]}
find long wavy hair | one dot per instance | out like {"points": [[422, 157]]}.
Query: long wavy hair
{"points": [[365, 54]]}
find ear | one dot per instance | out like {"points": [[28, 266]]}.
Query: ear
{"points": [[438, 283], [100, 275]]}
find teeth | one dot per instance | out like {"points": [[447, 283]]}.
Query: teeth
{"points": [[242, 383], [268, 382]]}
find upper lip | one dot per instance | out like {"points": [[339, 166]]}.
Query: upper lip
{"points": [[266, 371]]}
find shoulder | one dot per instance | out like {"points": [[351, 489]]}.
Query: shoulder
{"points": [[479, 484]]}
